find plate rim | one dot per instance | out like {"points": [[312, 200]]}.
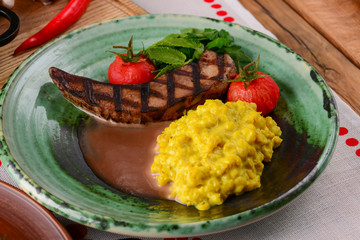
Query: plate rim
{"points": [[52, 203]]}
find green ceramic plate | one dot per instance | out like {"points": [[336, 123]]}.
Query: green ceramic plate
{"points": [[39, 144]]}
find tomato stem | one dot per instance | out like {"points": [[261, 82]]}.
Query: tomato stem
{"points": [[246, 75], [129, 56], [248, 65]]}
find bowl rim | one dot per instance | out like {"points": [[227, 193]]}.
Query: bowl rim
{"points": [[52, 202], [40, 210]]}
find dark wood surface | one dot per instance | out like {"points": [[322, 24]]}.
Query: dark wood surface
{"points": [[304, 30], [34, 16]]}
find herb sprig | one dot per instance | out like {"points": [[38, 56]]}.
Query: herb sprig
{"points": [[246, 76], [129, 56], [176, 50]]}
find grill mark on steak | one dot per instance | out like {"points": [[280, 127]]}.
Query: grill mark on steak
{"points": [[177, 85], [181, 86], [145, 92], [118, 97], [196, 78], [161, 99], [160, 81], [170, 85], [89, 94], [130, 103], [156, 93], [220, 63]]}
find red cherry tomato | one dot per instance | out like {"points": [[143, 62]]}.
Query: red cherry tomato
{"points": [[262, 91], [121, 72]]}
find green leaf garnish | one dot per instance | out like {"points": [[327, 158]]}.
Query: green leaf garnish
{"points": [[168, 53], [177, 40]]}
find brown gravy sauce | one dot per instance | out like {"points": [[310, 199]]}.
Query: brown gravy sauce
{"points": [[121, 155]]}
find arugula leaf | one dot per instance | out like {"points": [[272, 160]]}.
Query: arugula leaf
{"points": [[192, 48], [206, 34], [177, 40], [166, 58], [167, 68], [218, 43], [166, 55], [176, 50]]}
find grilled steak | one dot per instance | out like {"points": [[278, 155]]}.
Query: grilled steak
{"points": [[161, 99]]}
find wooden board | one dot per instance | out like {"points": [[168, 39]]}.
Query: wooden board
{"points": [[34, 15], [341, 74], [338, 21]]}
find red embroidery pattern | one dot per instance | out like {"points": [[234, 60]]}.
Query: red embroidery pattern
{"points": [[229, 19], [217, 6], [221, 13], [351, 142], [357, 152], [343, 131]]}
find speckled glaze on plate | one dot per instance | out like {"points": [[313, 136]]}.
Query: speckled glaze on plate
{"points": [[39, 145]]}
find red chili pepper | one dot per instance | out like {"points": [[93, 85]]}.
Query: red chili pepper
{"points": [[63, 20]]}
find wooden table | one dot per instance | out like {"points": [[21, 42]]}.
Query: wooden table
{"points": [[313, 28], [34, 16], [325, 32]]}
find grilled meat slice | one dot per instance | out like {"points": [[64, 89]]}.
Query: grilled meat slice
{"points": [[161, 99]]}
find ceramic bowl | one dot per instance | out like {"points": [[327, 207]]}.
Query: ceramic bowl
{"points": [[18, 216], [40, 150]]}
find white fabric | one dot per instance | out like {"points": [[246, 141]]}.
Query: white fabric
{"points": [[200, 8]]}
